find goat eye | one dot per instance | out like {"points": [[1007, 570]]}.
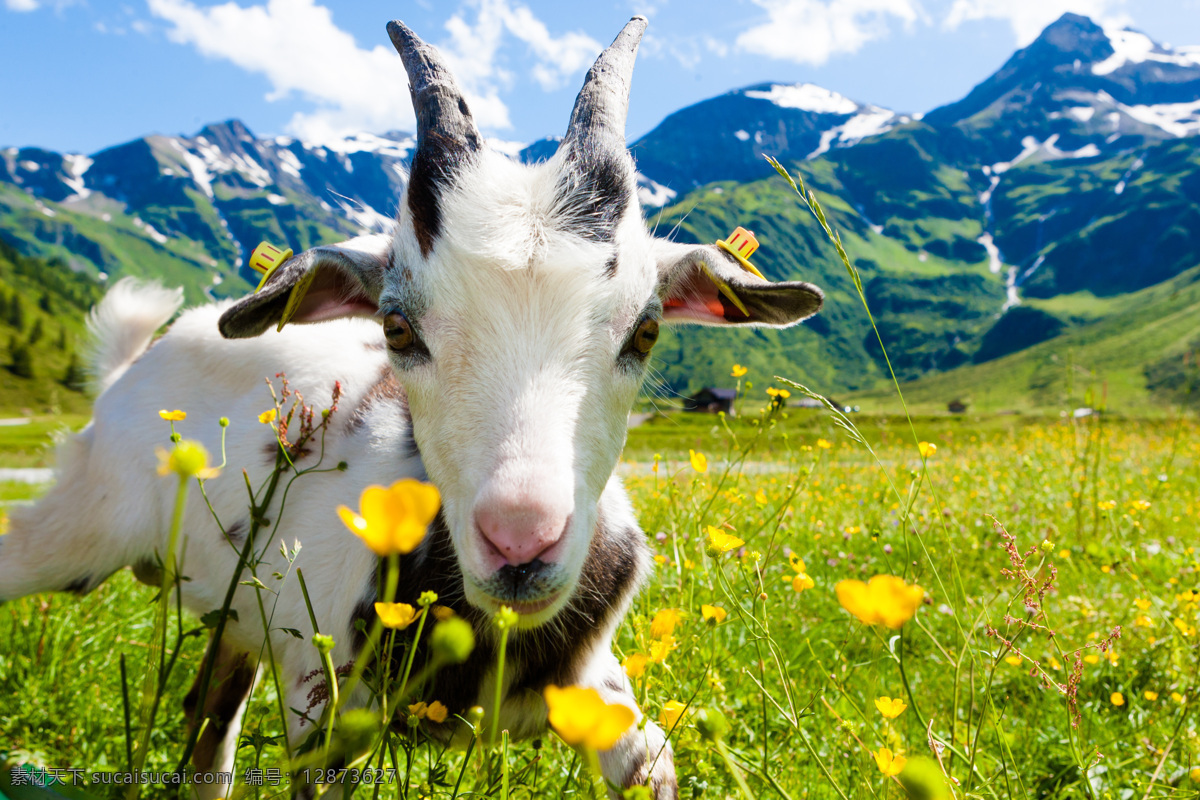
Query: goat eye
{"points": [[645, 336], [398, 331]]}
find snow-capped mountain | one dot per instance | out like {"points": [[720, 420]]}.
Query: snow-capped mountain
{"points": [[726, 137]]}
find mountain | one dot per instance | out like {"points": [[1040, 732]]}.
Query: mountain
{"points": [[1055, 194], [725, 138]]}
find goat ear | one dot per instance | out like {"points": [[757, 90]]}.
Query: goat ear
{"points": [[333, 281], [706, 285]]}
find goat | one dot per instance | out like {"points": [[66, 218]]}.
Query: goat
{"points": [[519, 305]]}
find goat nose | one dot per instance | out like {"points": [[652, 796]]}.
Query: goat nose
{"points": [[520, 530]]}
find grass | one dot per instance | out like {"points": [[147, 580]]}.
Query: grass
{"points": [[793, 673], [1039, 633]]}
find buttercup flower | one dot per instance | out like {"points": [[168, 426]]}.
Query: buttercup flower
{"points": [[1106, 505], [672, 712], [738, 371], [884, 600], [1117, 699], [1149, 695], [760, 497], [890, 708], [661, 648], [823, 444], [173, 416], [581, 717], [268, 416], [635, 664], [663, 624], [926, 449], [713, 614], [186, 459], [721, 542], [699, 461], [889, 764], [396, 615], [393, 520]]}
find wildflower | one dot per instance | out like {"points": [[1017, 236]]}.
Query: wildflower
{"points": [[635, 664], [699, 461], [672, 712], [661, 648], [436, 712], [800, 581], [760, 497], [714, 615], [1117, 699], [581, 717], [1177, 697], [1014, 661], [1140, 505], [663, 624], [738, 371], [187, 458], [890, 708], [393, 520], [397, 616], [1064, 554], [1106, 505], [884, 600], [1047, 545], [1149, 695], [721, 542], [323, 643], [1195, 774], [926, 449], [1142, 603], [173, 416], [823, 444], [781, 394], [268, 416], [1092, 658], [505, 618], [889, 764]]}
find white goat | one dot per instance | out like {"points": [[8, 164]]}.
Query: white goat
{"points": [[519, 305]]}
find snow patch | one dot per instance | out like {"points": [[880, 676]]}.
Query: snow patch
{"points": [[1135, 47], [367, 143], [1081, 113], [653, 194], [276, 199], [806, 97], [77, 165], [29, 166], [195, 165], [1177, 119], [870, 121], [150, 230], [289, 163]]}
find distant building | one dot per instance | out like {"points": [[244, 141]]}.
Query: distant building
{"points": [[711, 400], [956, 407]]}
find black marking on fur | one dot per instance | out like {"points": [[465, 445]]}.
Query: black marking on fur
{"points": [[551, 653], [594, 191], [438, 158], [385, 390], [236, 533], [79, 586], [610, 267]]}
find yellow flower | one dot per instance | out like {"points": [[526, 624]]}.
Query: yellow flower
{"points": [[714, 614], [418, 710], [1092, 658], [635, 664], [884, 600], [760, 497], [1195, 774], [1140, 505], [1177, 697], [663, 624], [823, 444], [926, 449], [1106, 505], [581, 717], [1149, 695], [721, 542], [1142, 603], [738, 371], [889, 764], [1117, 699], [186, 458], [173, 416], [396, 615], [3, 523], [436, 712], [672, 712], [393, 520], [267, 417], [890, 708], [801, 582], [1014, 661], [661, 648], [699, 461]]}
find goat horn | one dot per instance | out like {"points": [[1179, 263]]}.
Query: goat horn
{"points": [[441, 110], [603, 102]]}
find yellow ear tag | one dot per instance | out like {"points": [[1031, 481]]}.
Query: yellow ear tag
{"points": [[295, 297], [741, 245], [267, 258], [724, 288]]}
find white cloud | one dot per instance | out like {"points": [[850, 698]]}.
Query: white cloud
{"points": [[21, 5], [812, 31], [297, 46], [1029, 17]]}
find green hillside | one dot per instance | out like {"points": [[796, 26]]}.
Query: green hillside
{"points": [[1140, 359], [42, 309]]}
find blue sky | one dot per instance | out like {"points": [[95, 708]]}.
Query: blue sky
{"points": [[80, 75]]}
